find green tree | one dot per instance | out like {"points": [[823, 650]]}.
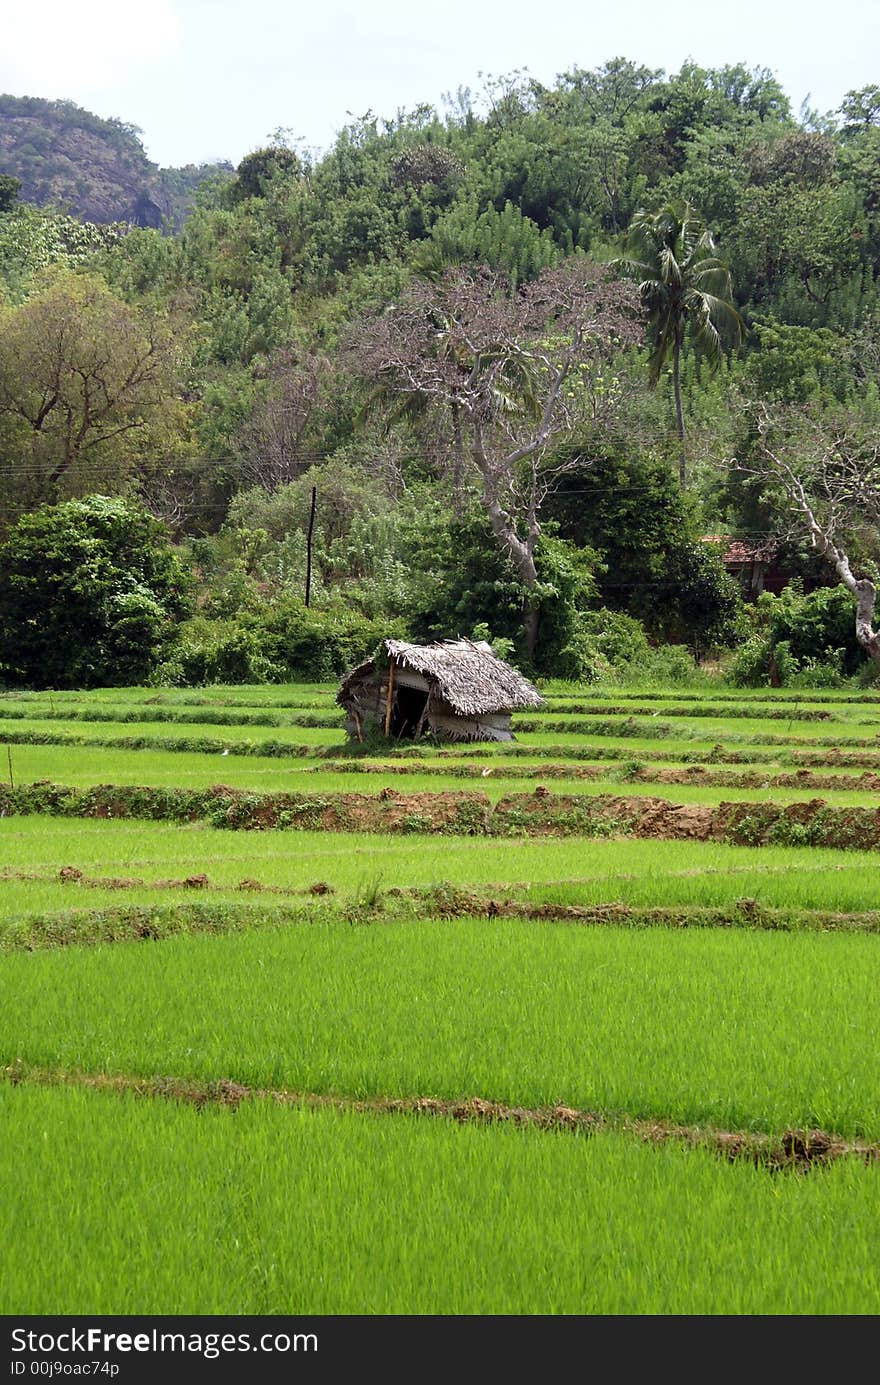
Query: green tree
{"points": [[90, 593], [685, 288], [624, 503], [81, 375], [258, 169], [9, 191], [32, 240]]}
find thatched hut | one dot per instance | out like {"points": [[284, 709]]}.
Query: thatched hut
{"points": [[457, 689]]}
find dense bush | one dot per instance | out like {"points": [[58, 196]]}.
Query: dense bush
{"points": [[800, 639], [628, 506], [286, 642], [315, 646], [601, 643], [90, 594], [818, 626], [216, 651]]}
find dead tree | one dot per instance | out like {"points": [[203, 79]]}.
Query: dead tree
{"points": [[504, 378], [831, 481], [273, 444]]}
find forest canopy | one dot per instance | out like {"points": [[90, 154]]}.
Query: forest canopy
{"points": [[375, 364]]}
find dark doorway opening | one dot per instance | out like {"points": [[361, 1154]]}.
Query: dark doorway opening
{"points": [[407, 712]]}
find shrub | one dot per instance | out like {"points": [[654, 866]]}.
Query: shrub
{"points": [[806, 641], [216, 651], [601, 644], [90, 594], [818, 627], [317, 645], [286, 642]]}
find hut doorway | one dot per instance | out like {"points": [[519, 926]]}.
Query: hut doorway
{"points": [[409, 712]]}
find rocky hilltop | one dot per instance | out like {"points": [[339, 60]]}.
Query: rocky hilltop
{"points": [[97, 169]]}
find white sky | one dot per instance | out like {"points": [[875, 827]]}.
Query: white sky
{"points": [[213, 78]]}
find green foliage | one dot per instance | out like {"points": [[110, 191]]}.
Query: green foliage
{"points": [[258, 170], [86, 381], [625, 502], [10, 188], [472, 586], [796, 364], [627, 505], [89, 595], [800, 640], [466, 580], [708, 609], [255, 273], [567, 588], [314, 645], [504, 240], [31, 240], [283, 642], [685, 287], [800, 249], [215, 651], [817, 626], [602, 643]]}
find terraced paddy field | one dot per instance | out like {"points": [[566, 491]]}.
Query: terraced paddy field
{"points": [[583, 1023]]}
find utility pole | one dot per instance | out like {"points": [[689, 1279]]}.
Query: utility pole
{"points": [[309, 545]]}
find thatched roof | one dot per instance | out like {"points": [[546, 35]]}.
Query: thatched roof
{"points": [[467, 676]]}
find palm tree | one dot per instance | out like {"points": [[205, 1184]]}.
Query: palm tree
{"points": [[682, 284]]}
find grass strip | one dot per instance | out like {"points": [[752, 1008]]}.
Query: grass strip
{"points": [[650, 729], [695, 709], [210, 716], [156, 922], [355, 761]]}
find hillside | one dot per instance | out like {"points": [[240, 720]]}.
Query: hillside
{"points": [[98, 169]]}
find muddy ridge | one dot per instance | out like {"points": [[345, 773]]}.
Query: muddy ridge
{"points": [[794, 1149], [539, 813], [154, 922]]}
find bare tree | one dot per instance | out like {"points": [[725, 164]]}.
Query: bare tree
{"points": [[273, 443], [830, 479], [504, 378]]}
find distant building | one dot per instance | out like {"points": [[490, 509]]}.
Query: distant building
{"points": [[755, 568]]}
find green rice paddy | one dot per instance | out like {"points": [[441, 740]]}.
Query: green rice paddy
{"points": [[697, 1027], [309, 962], [267, 1210]]}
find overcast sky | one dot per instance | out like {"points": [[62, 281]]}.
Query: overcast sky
{"points": [[209, 79]]}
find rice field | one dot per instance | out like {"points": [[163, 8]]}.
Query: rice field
{"points": [[337, 1212], [415, 1063]]}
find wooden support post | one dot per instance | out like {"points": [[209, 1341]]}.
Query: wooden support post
{"points": [[422, 719], [388, 701], [357, 727]]}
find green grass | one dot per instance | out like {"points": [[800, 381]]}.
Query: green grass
{"points": [[114, 1206], [215, 695], [80, 766], [156, 731], [752, 1031], [569, 871], [554, 689], [792, 732]]}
